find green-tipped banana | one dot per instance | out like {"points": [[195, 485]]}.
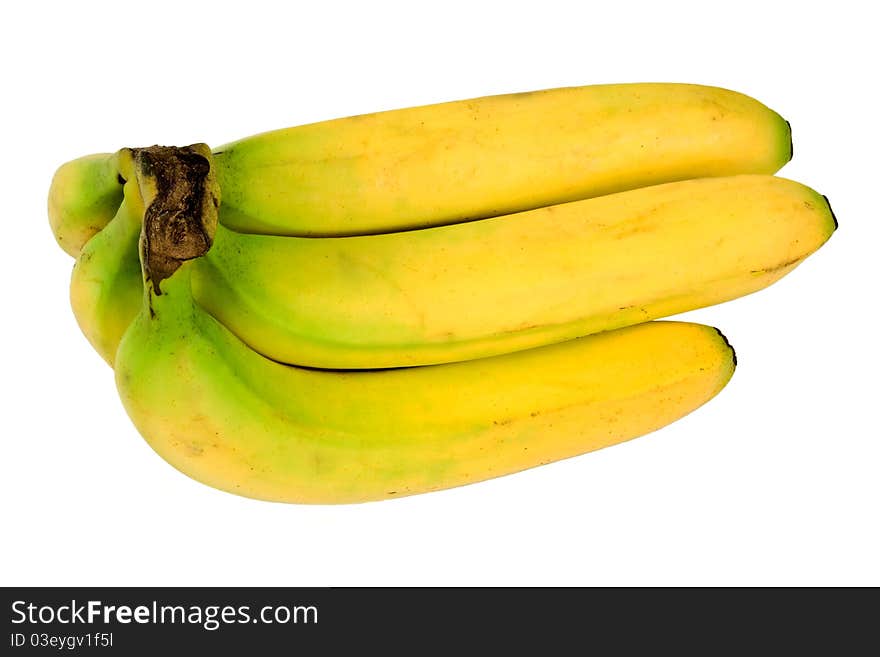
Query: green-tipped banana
{"points": [[83, 197], [230, 418], [106, 285]]}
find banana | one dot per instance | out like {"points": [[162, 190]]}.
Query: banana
{"points": [[83, 197], [503, 284], [457, 161], [106, 287], [451, 162], [230, 418]]}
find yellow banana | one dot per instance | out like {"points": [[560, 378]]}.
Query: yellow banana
{"points": [[499, 285], [446, 163], [457, 161], [230, 418]]}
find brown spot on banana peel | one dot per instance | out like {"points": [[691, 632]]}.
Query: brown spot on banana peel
{"points": [[181, 197], [780, 266]]}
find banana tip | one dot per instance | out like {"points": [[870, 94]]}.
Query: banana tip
{"points": [[790, 141], [831, 210], [727, 342]]}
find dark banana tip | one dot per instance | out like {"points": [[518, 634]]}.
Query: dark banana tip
{"points": [[790, 141], [831, 210], [727, 342]]}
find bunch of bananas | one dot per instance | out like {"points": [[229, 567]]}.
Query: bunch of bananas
{"points": [[407, 301]]}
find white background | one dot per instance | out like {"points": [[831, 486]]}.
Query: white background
{"points": [[775, 482]]}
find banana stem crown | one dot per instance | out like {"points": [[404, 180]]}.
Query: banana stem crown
{"points": [[180, 196]]}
